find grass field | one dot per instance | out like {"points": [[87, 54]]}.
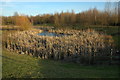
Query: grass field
{"points": [[24, 66]]}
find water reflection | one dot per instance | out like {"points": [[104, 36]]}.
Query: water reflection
{"points": [[46, 33]]}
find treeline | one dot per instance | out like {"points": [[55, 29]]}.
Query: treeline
{"points": [[90, 17], [21, 22], [107, 17]]}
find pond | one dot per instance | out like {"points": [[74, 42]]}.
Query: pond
{"points": [[46, 33]]}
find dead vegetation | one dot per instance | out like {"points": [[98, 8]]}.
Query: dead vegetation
{"points": [[84, 43]]}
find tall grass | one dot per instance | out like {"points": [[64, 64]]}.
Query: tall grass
{"points": [[80, 46]]}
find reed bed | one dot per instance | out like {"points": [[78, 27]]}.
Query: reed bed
{"points": [[79, 46]]}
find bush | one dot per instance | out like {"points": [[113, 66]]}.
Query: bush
{"points": [[23, 22]]}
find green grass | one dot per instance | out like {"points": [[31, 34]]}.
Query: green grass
{"points": [[23, 66]]}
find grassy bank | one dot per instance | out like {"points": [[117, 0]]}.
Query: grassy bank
{"points": [[16, 65]]}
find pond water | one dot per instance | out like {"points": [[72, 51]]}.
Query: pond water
{"points": [[46, 33]]}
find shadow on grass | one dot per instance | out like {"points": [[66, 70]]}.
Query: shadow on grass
{"points": [[58, 69], [24, 66]]}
